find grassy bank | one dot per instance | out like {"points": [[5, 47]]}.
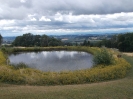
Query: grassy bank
{"points": [[31, 76], [31, 49]]}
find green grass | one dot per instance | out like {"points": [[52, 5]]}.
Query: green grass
{"points": [[116, 89], [130, 60]]}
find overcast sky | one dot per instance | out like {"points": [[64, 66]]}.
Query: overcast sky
{"points": [[65, 16]]}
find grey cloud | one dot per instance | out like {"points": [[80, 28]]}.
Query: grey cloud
{"points": [[16, 3], [84, 6], [77, 7], [66, 14]]}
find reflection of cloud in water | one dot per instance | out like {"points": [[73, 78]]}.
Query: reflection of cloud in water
{"points": [[32, 55], [62, 54], [54, 60], [45, 54], [58, 54]]}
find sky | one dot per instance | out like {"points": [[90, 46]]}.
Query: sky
{"points": [[60, 17]]}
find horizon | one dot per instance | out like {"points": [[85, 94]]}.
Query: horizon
{"points": [[74, 34], [60, 17]]}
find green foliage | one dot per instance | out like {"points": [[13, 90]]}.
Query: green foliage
{"points": [[85, 43], [124, 42], [30, 40], [1, 39], [103, 57], [6, 50]]}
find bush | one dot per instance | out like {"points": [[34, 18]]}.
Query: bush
{"points": [[103, 57]]}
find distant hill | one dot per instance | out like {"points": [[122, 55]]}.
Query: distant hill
{"points": [[8, 40], [11, 38]]}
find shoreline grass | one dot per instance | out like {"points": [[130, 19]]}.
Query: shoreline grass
{"points": [[31, 76]]}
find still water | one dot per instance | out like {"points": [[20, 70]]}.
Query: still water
{"points": [[54, 60]]}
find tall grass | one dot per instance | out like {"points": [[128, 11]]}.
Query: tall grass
{"points": [[2, 58], [19, 65], [58, 48]]}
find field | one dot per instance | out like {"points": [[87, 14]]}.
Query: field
{"points": [[116, 89]]}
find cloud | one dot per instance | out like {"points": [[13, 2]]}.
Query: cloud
{"points": [[65, 16], [43, 18], [23, 1], [16, 8]]}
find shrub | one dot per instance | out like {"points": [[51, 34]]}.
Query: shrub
{"points": [[103, 57]]}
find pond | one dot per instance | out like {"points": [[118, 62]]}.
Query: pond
{"points": [[54, 60]]}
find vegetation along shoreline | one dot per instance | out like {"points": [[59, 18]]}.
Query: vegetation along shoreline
{"points": [[101, 72]]}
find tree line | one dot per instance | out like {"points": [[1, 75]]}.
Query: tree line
{"points": [[30, 40], [123, 42]]}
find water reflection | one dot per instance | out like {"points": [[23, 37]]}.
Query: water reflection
{"points": [[54, 60]]}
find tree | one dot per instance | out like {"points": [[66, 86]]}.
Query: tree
{"points": [[54, 42], [125, 42], [30, 40], [44, 40], [86, 43], [103, 57], [1, 39], [37, 40]]}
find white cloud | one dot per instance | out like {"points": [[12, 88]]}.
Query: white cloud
{"points": [[22, 1], [58, 17], [1, 10], [32, 17], [43, 18], [6, 22]]}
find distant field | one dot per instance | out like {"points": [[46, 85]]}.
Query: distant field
{"points": [[116, 89], [129, 54]]}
